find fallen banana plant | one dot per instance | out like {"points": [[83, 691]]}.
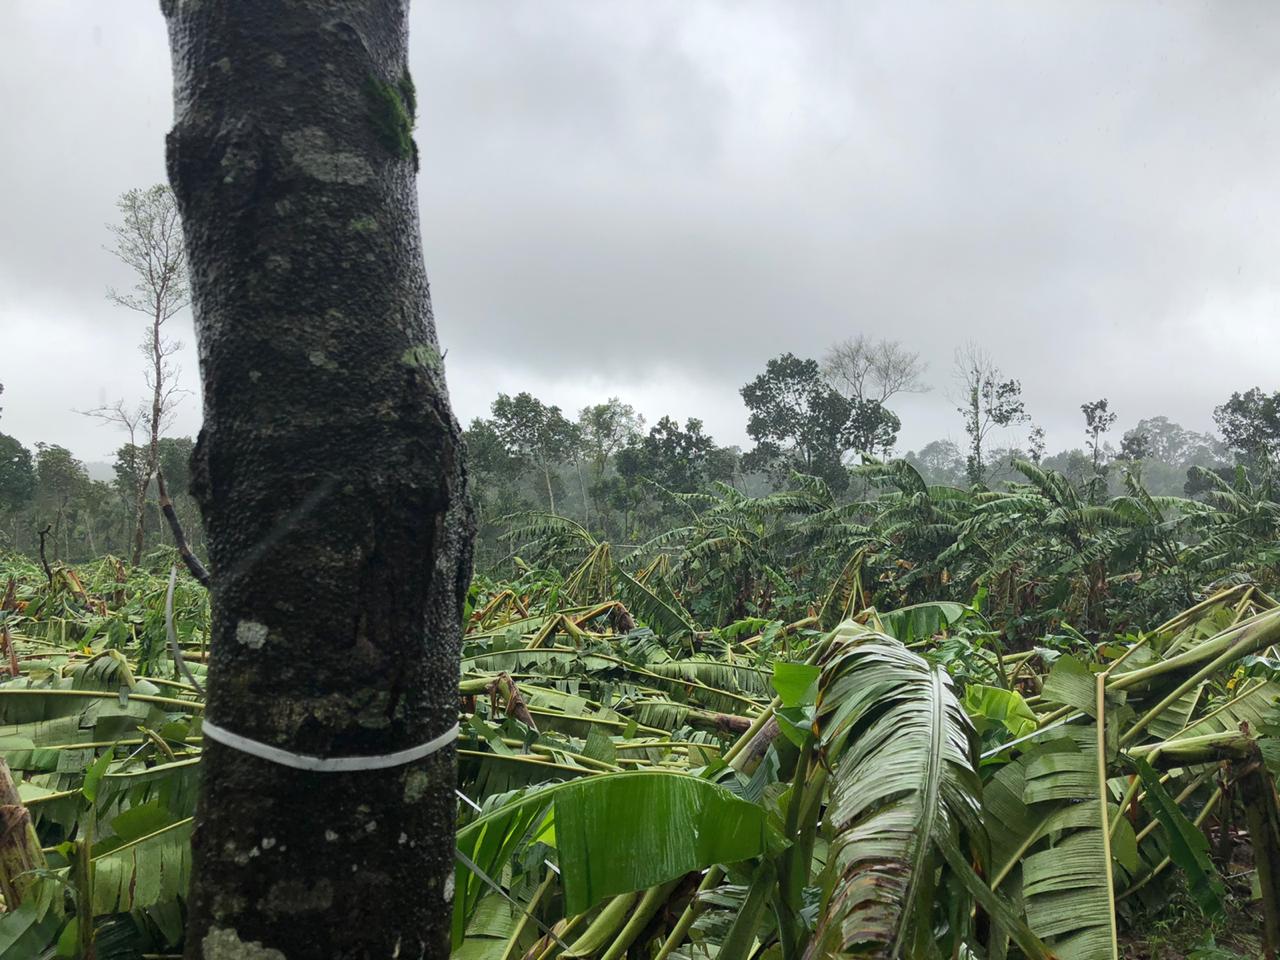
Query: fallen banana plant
{"points": [[895, 787]]}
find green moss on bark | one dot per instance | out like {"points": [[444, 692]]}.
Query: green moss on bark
{"points": [[392, 107], [409, 95]]}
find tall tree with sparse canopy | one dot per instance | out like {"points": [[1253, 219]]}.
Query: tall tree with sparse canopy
{"points": [[985, 402], [330, 476], [149, 242]]}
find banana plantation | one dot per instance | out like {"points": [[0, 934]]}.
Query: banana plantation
{"points": [[927, 722], [338, 668]]}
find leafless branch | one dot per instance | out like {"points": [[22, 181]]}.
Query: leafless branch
{"points": [[864, 369]]}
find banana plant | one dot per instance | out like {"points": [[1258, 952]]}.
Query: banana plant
{"points": [[766, 790]]}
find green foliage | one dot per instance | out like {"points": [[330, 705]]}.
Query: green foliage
{"points": [[904, 800], [628, 831], [1187, 845], [963, 796], [1250, 424], [800, 423], [17, 474]]}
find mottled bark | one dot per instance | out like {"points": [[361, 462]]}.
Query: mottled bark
{"points": [[330, 479]]}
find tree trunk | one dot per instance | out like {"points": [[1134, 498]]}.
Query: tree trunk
{"points": [[330, 479], [152, 463], [139, 521], [546, 474], [57, 529], [586, 501]]}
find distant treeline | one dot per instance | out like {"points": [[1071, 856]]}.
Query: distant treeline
{"points": [[617, 475], [614, 473]]}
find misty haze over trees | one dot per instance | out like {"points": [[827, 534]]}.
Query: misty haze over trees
{"points": [[610, 470]]}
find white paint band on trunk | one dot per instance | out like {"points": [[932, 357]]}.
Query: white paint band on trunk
{"points": [[303, 761]]}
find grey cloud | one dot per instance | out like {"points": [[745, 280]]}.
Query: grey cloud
{"points": [[651, 199]]}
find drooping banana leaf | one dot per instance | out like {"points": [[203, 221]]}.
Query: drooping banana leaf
{"points": [[1248, 709], [922, 620], [1044, 812], [26, 931], [1071, 684], [739, 678], [622, 832], [655, 604], [1188, 847], [905, 799], [987, 706], [613, 834], [845, 596], [143, 870]]}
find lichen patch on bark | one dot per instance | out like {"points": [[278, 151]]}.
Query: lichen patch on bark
{"points": [[296, 896], [368, 708], [252, 634], [422, 356], [222, 943], [416, 784], [314, 152], [227, 905], [321, 359]]}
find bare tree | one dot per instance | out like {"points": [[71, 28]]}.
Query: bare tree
{"points": [[130, 420], [985, 401], [863, 369], [148, 240], [867, 373]]}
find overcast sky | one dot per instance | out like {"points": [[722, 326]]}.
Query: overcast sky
{"points": [[651, 199]]}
